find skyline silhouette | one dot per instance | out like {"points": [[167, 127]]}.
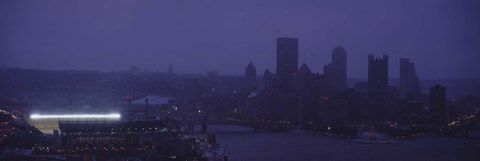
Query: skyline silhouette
{"points": [[439, 36], [239, 80]]}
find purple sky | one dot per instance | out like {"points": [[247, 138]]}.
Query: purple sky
{"points": [[441, 37]]}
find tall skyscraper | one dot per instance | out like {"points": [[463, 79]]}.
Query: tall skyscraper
{"points": [[287, 61], [336, 71], [437, 103], [303, 76], [378, 78], [266, 80], [250, 75], [409, 86]]}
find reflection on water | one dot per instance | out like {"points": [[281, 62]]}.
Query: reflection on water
{"points": [[243, 144]]}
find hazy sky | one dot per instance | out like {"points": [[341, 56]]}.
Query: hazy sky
{"points": [[441, 37]]}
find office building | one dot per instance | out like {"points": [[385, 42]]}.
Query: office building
{"points": [[336, 71], [438, 103], [250, 76], [287, 61], [378, 78], [408, 87]]}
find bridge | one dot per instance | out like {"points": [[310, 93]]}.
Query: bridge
{"points": [[256, 125]]}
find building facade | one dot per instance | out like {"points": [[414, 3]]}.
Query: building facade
{"points": [[336, 71], [287, 61], [250, 76], [438, 103], [378, 78], [409, 84]]}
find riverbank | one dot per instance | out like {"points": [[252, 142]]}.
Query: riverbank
{"points": [[244, 144]]}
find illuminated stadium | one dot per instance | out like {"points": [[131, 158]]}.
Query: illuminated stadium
{"points": [[47, 123], [46, 119], [103, 136]]}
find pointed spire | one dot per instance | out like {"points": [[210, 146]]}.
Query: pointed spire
{"points": [[304, 69], [267, 74], [250, 65], [250, 73]]}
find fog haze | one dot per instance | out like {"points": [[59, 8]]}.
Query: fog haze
{"points": [[440, 36]]}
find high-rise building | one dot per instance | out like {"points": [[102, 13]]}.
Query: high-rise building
{"points": [[336, 71], [339, 59], [266, 83], [437, 103], [287, 61], [330, 72], [409, 88], [303, 76], [250, 75], [378, 78]]}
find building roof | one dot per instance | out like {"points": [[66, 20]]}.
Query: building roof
{"points": [[153, 100], [250, 65], [109, 126], [304, 69]]}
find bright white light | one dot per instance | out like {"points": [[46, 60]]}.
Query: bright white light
{"points": [[75, 116]]}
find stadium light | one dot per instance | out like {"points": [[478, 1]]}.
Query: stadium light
{"points": [[75, 116]]}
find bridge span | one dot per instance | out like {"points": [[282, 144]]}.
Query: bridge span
{"points": [[256, 125]]}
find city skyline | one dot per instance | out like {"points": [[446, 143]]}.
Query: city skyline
{"points": [[279, 80], [105, 36]]}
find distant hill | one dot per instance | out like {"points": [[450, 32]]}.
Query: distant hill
{"points": [[17, 80], [455, 87]]}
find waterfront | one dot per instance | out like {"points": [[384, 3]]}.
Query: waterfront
{"points": [[243, 144]]}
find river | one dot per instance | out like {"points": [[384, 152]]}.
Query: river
{"points": [[245, 145]]}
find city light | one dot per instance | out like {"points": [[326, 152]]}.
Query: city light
{"points": [[74, 116]]}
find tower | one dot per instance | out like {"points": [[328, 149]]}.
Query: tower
{"points": [[437, 103], [409, 88], [250, 76], [303, 76], [287, 61], [339, 59], [336, 71], [378, 78]]}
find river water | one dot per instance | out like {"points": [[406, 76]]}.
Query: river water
{"points": [[245, 145]]}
